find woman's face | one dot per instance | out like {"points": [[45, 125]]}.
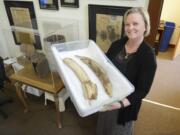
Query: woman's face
{"points": [[134, 26]]}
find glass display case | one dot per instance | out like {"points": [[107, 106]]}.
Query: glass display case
{"points": [[55, 33], [51, 31]]}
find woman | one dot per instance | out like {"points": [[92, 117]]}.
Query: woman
{"points": [[136, 60]]}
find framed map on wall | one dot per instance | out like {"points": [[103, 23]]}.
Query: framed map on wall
{"points": [[21, 14], [105, 24]]}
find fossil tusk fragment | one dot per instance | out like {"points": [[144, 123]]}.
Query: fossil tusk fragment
{"points": [[89, 88], [100, 73]]}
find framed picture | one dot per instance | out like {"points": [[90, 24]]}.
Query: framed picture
{"points": [[29, 38], [21, 14], [70, 3], [106, 24], [49, 4]]}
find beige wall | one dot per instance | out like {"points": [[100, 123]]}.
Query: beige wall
{"points": [[170, 12], [177, 50]]}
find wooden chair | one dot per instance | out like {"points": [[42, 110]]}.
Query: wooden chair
{"points": [[3, 98]]}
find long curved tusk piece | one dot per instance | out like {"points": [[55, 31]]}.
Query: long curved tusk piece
{"points": [[100, 73], [89, 88]]}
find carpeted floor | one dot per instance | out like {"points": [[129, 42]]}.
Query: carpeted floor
{"points": [[153, 119], [41, 120], [166, 85], [157, 120]]}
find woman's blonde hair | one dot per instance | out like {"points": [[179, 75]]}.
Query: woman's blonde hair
{"points": [[145, 16]]}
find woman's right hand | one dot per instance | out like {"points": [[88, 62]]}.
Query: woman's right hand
{"points": [[110, 107]]}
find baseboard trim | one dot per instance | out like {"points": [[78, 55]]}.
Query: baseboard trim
{"points": [[162, 105]]}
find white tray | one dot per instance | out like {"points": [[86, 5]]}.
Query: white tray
{"points": [[121, 86]]}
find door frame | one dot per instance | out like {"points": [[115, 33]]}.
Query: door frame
{"points": [[154, 9]]}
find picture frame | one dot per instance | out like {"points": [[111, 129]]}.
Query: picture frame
{"points": [[105, 24], [70, 3], [32, 39], [21, 14], [24, 10], [49, 4]]}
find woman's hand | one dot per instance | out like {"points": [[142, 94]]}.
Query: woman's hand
{"points": [[110, 107], [115, 105]]}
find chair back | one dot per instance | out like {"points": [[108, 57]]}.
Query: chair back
{"points": [[2, 73]]}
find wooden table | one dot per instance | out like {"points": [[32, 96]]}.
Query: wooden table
{"points": [[29, 77]]}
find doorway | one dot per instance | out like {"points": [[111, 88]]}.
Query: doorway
{"points": [[155, 10]]}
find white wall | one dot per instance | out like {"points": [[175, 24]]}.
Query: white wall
{"points": [[80, 14], [3, 49], [7, 41]]}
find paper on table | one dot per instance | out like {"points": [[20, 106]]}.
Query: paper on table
{"points": [[10, 61], [17, 67]]}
